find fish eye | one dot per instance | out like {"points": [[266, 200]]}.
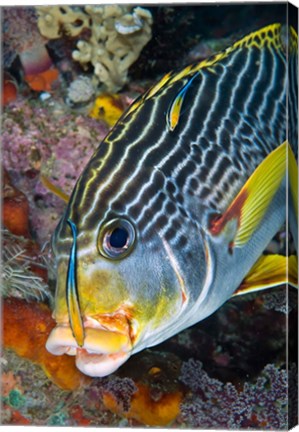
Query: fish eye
{"points": [[116, 238]]}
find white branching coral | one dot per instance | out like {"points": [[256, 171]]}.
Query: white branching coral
{"points": [[118, 34], [52, 20]]}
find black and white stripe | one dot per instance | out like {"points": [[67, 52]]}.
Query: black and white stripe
{"points": [[233, 114]]}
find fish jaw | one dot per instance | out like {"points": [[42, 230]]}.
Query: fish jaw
{"points": [[100, 365], [103, 352]]}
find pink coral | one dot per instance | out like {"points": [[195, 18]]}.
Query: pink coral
{"points": [[22, 37], [20, 28], [213, 404], [45, 139]]}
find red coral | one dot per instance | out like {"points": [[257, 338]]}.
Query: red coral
{"points": [[10, 89], [18, 419], [78, 415]]}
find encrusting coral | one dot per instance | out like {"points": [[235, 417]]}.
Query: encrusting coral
{"points": [[144, 408], [9, 89], [80, 92], [41, 139], [15, 214], [25, 267], [117, 36], [213, 404], [22, 38], [26, 327], [107, 107]]}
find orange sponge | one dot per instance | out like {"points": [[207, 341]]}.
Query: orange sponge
{"points": [[146, 410], [26, 327], [15, 214]]}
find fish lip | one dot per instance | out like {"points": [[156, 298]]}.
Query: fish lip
{"points": [[97, 341], [104, 350], [100, 365]]}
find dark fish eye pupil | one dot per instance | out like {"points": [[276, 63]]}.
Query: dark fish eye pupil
{"points": [[118, 238]]}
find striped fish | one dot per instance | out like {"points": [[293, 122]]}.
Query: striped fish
{"points": [[172, 214]]}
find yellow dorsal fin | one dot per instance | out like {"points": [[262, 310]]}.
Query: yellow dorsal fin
{"points": [[270, 271], [293, 178], [160, 84], [269, 36], [253, 200], [54, 189]]}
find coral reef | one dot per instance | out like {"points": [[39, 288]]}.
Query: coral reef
{"points": [[10, 89], [229, 371], [81, 91], [279, 301], [226, 385], [20, 32], [42, 80], [157, 393], [41, 138], [26, 326], [118, 392], [107, 107], [22, 37], [262, 404], [146, 410], [30, 398], [117, 35], [54, 20], [24, 269], [15, 215], [146, 393]]}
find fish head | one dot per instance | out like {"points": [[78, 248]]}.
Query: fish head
{"points": [[129, 292]]}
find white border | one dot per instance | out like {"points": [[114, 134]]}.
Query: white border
{"points": [[152, 3]]}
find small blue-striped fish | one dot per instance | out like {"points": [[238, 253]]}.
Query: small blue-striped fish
{"points": [[172, 214]]}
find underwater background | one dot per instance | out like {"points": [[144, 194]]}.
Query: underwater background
{"points": [[232, 370]]}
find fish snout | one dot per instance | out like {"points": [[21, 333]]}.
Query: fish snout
{"points": [[104, 349]]}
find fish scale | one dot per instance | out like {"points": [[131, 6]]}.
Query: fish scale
{"points": [[216, 98], [216, 95], [178, 203]]}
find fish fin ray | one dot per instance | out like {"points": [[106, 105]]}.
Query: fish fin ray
{"points": [[293, 178], [253, 200], [54, 189], [270, 271]]}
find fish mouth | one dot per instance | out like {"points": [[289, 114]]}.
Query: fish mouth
{"points": [[103, 352]]}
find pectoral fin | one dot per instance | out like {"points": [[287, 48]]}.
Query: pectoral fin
{"points": [[249, 207], [270, 271]]}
